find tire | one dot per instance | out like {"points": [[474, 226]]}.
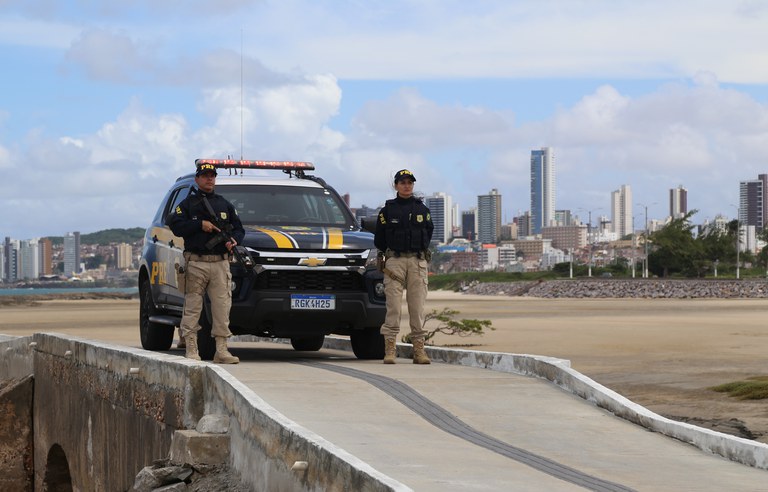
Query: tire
{"points": [[368, 344], [206, 345], [154, 336], [308, 344]]}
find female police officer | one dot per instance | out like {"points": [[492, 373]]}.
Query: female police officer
{"points": [[403, 232]]}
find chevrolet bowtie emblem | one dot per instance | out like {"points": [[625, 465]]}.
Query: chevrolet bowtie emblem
{"points": [[312, 262]]}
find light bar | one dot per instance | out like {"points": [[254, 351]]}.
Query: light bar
{"points": [[241, 164]]}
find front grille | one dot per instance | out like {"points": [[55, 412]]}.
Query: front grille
{"points": [[294, 261], [302, 280]]}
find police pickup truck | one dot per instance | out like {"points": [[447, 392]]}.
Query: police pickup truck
{"points": [[313, 267]]}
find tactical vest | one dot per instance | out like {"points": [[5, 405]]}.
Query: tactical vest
{"points": [[403, 231]]}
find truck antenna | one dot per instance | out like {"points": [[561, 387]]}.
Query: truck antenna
{"points": [[241, 96]]}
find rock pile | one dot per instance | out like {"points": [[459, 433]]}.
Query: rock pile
{"points": [[629, 288]]}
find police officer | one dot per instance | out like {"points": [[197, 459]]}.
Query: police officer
{"points": [[403, 232], [207, 265]]}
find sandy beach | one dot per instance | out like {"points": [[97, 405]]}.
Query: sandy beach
{"points": [[664, 354]]}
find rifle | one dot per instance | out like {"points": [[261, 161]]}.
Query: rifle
{"points": [[241, 254]]}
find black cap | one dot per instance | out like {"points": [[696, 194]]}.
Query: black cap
{"points": [[206, 168], [404, 173]]}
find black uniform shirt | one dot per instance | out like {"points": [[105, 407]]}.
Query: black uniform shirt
{"points": [[186, 221]]}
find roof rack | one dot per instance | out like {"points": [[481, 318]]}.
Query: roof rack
{"points": [[244, 164]]}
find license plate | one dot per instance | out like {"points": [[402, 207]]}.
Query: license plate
{"points": [[314, 302]]}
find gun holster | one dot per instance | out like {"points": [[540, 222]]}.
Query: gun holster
{"points": [[181, 278]]}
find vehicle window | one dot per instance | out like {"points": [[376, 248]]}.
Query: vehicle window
{"points": [[287, 205], [176, 197]]}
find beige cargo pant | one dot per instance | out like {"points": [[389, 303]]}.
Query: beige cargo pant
{"points": [[414, 272], [214, 278]]}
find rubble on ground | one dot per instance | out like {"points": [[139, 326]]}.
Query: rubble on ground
{"points": [[629, 288]]}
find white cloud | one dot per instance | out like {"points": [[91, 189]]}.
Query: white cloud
{"points": [[410, 121], [5, 158], [16, 30], [280, 122], [407, 40], [114, 57]]}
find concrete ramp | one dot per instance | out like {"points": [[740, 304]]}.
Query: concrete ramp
{"points": [[302, 421], [479, 421]]}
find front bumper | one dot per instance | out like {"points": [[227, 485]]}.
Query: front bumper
{"points": [[267, 311]]}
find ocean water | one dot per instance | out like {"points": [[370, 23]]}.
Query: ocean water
{"points": [[68, 290]]}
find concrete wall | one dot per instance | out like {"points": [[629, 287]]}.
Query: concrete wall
{"points": [[105, 412], [16, 428], [102, 413]]}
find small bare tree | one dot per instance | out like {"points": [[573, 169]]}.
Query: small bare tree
{"points": [[449, 326]]}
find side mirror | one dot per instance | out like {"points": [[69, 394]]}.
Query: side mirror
{"points": [[368, 224]]}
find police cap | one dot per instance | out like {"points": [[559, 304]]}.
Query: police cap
{"points": [[404, 174], [206, 168]]}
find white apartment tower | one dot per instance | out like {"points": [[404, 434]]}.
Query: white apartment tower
{"points": [[542, 189], [621, 211], [124, 255], [29, 259], [72, 254], [440, 208]]}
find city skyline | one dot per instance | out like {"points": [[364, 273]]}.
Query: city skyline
{"points": [[110, 102]]}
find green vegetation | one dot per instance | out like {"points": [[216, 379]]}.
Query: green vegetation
{"points": [[754, 388], [107, 236], [674, 251], [449, 326]]}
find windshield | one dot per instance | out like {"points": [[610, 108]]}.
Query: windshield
{"points": [[287, 205]]}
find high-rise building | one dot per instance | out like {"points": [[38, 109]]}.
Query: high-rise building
{"points": [[71, 254], [542, 188], [365, 211], [440, 208], [563, 218], [29, 260], [489, 217], [455, 221], [46, 256], [678, 202], [11, 260], [523, 225], [621, 211], [469, 224], [124, 256], [753, 202]]}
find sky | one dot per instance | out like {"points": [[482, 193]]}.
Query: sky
{"points": [[104, 104]]}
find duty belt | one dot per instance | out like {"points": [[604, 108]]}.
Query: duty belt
{"points": [[206, 258], [403, 254]]}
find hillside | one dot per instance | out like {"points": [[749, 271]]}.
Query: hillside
{"points": [[107, 236]]}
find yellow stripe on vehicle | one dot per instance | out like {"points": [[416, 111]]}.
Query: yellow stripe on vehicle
{"points": [[281, 240], [335, 239]]}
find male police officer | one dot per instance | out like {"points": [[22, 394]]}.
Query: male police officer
{"points": [[207, 265], [403, 232]]}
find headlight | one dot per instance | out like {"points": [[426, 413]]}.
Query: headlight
{"points": [[370, 262]]}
